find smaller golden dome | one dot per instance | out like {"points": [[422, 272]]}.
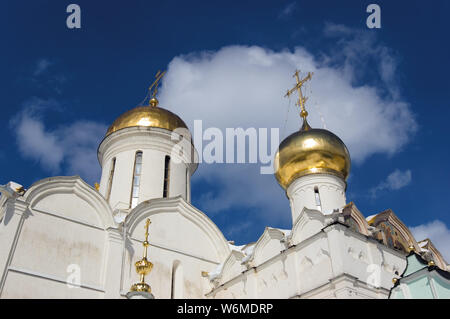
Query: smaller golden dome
{"points": [[311, 151], [151, 116]]}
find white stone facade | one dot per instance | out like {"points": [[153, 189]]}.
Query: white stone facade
{"points": [[62, 238]]}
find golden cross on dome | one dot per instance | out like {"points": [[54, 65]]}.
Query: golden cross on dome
{"points": [[301, 99], [154, 86]]}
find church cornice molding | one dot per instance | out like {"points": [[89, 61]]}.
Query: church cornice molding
{"points": [[305, 217], [134, 138], [319, 180], [179, 205], [71, 185], [408, 238], [353, 212], [267, 236]]}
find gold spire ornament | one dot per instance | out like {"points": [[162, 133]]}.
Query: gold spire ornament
{"points": [[154, 101], [301, 99], [143, 266]]}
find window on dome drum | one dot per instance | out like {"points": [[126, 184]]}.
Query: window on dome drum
{"points": [[166, 176], [318, 203], [188, 195], [136, 179], [110, 179]]}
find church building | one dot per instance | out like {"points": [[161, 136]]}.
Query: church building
{"points": [[137, 235]]}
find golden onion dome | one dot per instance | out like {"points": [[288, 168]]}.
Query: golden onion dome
{"points": [[150, 116], [311, 151]]}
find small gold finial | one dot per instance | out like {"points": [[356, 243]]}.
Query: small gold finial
{"points": [[97, 186], [143, 266], [411, 247], [431, 263], [301, 99], [394, 280], [154, 101]]}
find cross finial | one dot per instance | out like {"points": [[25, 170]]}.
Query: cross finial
{"points": [[147, 223], [154, 86], [143, 266], [301, 99]]}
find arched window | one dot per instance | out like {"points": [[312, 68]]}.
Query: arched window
{"points": [[188, 190], [136, 179], [166, 176], [110, 179], [317, 195], [177, 281]]}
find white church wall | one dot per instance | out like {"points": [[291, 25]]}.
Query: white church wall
{"points": [[296, 270], [174, 231], [69, 206], [56, 235], [370, 261], [55, 249], [334, 263], [178, 234], [313, 264], [19, 285], [189, 282]]}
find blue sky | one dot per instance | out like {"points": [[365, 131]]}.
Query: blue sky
{"points": [[61, 88]]}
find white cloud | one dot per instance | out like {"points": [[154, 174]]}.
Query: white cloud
{"points": [[243, 86], [69, 149], [396, 180], [287, 10], [237, 228], [439, 234], [41, 66]]}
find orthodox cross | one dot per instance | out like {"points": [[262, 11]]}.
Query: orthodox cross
{"points": [[155, 84], [301, 99]]}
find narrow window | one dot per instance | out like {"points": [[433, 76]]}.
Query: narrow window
{"points": [[136, 179], [166, 176], [188, 191], [317, 195], [110, 179]]}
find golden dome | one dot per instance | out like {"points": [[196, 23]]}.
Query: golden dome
{"points": [[151, 116], [311, 151]]}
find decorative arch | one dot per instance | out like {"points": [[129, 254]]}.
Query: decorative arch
{"points": [[232, 266], [48, 188], [395, 234], [355, 219], [308, 223], [177, 205], [427, 245], [262, 252]]}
